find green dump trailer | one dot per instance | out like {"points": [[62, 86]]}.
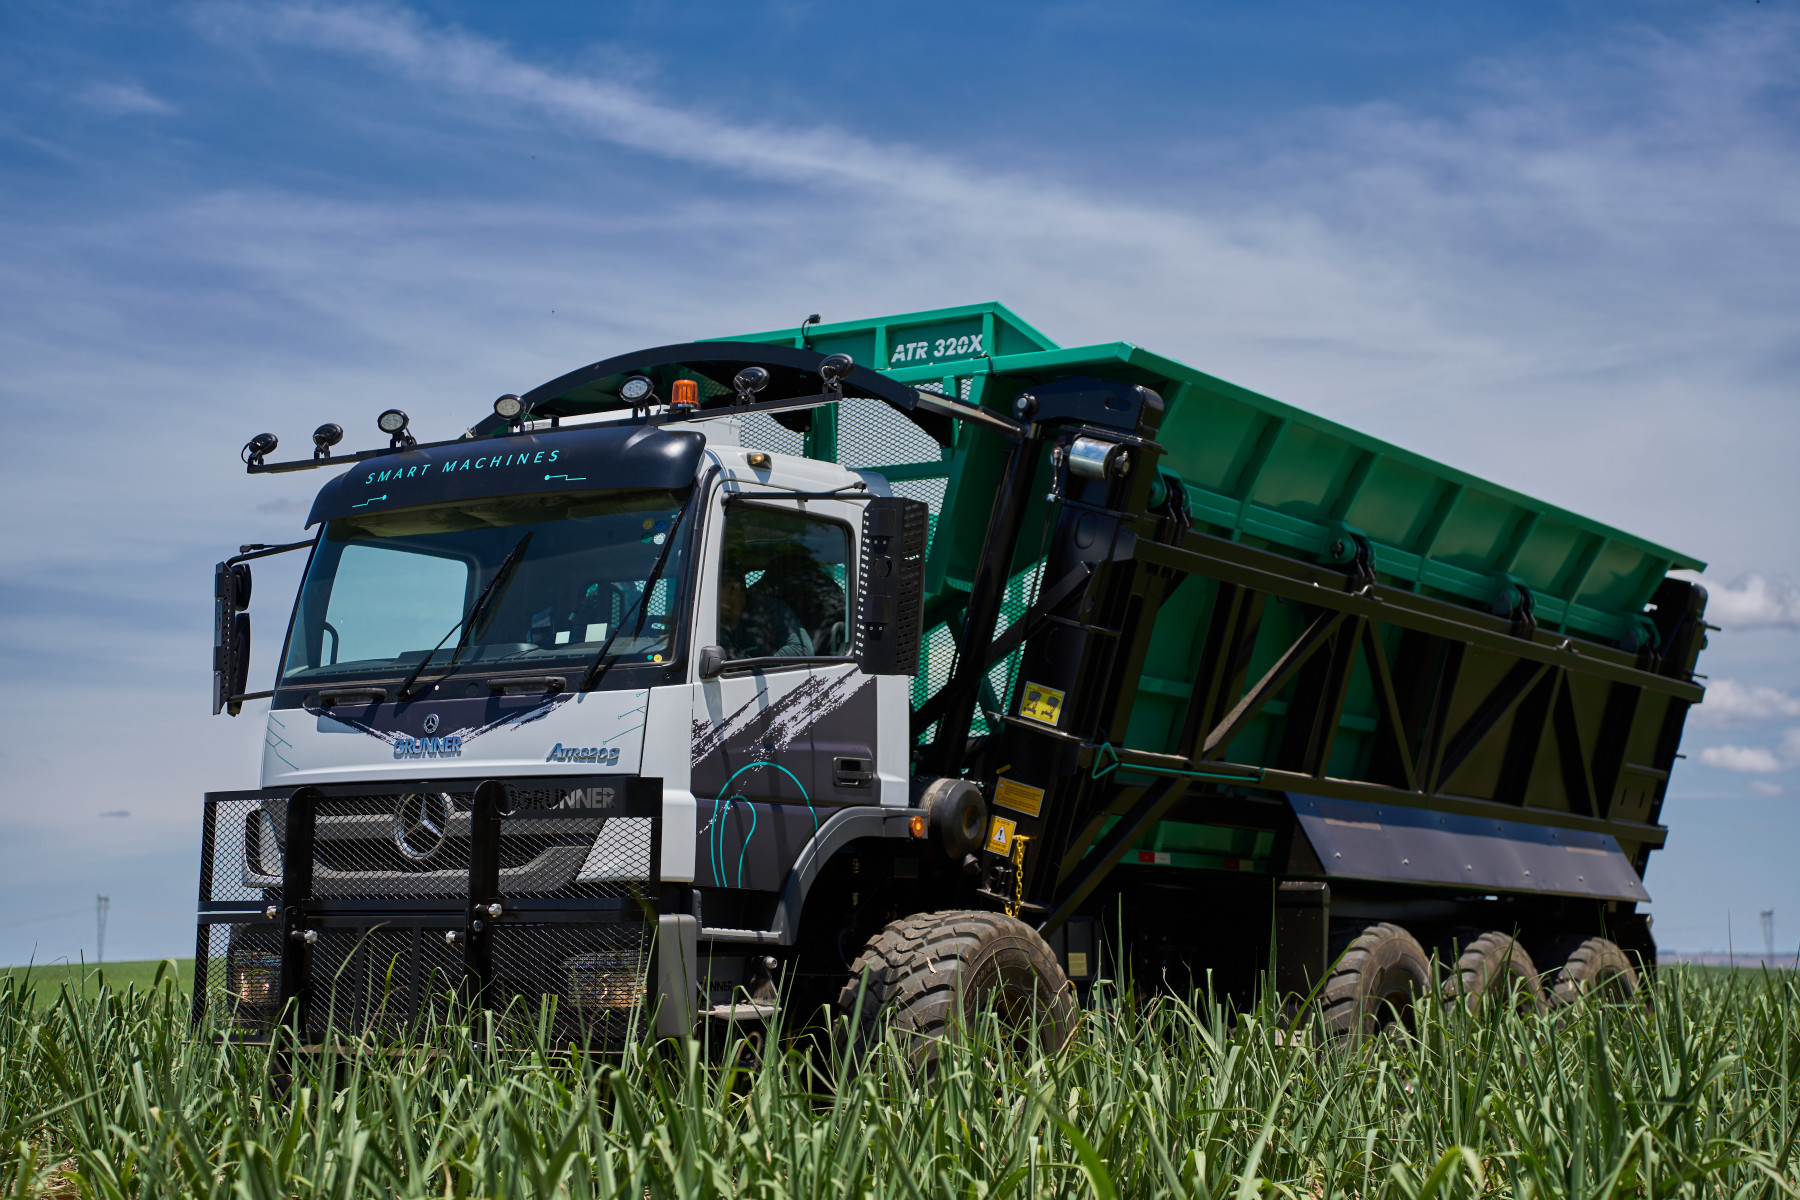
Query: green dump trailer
{"points": [[997, 667]]}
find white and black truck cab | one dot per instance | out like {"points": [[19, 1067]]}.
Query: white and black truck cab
{"points": [[558, 694]]}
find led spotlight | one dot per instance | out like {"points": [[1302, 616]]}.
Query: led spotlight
{"points": [[637, 389], [325, 437], [833, 368], [258, 447], [393, 422], [748, 382], [509, 407]]}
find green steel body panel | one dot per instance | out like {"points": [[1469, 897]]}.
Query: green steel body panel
{"points": [[1272, 477], [1268, 474]]}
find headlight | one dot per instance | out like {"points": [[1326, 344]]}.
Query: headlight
{"points": [[604, 981], [253, 978]]}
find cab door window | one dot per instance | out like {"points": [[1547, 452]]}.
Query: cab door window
{"points": [[783, 584]]}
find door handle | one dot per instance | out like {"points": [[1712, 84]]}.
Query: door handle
{"points": [[851, 772]]}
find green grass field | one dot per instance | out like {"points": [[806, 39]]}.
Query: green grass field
{"points": [[49, 979], [1695, 1091]]}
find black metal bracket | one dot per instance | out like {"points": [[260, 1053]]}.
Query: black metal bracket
{"points": [[294, 999], [484, 890]]}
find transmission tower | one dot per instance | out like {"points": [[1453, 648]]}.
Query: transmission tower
{"points": [[101, 904]]}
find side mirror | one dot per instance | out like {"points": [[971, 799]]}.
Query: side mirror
{"points": [[231, 634], [890, 574], [231, 627], [712, 662]]}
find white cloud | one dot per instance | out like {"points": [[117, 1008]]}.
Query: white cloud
{"points": [[1729, 703], [1763, 787], [123, 100], [1750, 760], [1754, 602], [1756, 760], [1397, 269]]}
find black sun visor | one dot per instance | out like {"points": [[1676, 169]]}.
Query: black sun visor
{"points": [[557, 460]]}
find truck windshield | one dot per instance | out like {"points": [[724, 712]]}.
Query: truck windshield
{"points": [[384, 589]]}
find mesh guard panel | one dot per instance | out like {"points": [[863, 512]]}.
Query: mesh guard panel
{"points": [[380, 937], [237, 978]]}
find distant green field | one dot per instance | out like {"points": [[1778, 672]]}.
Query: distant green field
{"points": [[51, 978]]}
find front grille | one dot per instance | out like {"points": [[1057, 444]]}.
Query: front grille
{"points": [[416, 846]]}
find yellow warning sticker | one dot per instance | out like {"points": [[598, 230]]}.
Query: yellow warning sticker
{"points": [[1078, 964], [1041, 703], [1020, 797], [1000, 835]]}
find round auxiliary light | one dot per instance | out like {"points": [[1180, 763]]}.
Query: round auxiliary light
{"points": [[750, 381], [834, 367], [325, 437], [509, 407], [635, 389], [258, 446], [393, 423]]}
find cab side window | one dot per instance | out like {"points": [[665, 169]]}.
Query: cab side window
{"points": [[783, 584]]}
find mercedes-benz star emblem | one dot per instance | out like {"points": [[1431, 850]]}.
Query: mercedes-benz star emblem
{"points": [[431, 722], [421, 824]]}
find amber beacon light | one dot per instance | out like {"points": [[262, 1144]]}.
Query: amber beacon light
{"points": [[684, 396]]}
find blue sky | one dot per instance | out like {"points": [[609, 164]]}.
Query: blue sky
{"points": [[1553, 244]]}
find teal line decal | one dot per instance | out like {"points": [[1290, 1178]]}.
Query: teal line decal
{"points": [[371, 500], [570, 478], [715, 829], [275, 747]]}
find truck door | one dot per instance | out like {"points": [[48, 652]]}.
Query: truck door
{"points": [[777, 749]]}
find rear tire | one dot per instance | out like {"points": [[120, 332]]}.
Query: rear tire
{"points": [[1375, 981], [933, 973], [1495, 970], [1595, 967]]}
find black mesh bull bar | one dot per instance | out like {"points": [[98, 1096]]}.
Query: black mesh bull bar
{"points": [[368, 907]]}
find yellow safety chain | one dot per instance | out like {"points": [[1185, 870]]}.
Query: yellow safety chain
{"points": [[1018, 861]]}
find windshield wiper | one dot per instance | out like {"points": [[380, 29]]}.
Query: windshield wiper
{"points": [[601, 664], [489, 595]]}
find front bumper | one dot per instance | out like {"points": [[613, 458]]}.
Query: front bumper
{"points": [[375, 907]]}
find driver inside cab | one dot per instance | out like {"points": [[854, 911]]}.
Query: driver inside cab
{"points": [[755, 623]]}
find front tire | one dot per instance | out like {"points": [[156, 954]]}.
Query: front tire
{"points": [[932, 974]]}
